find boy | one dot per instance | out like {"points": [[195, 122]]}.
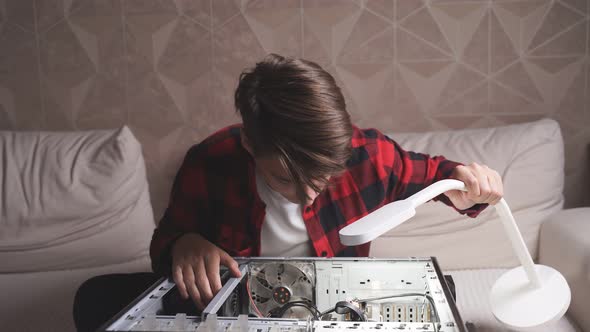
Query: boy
{"points": [[285, 181]]}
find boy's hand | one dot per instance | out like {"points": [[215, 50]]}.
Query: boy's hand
{"points": [[484, 185], [195, 268]]}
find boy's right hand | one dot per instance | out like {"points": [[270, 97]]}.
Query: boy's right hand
{"points": [[195, 268]]}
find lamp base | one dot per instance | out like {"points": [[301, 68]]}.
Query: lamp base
{"points": [[518, 304]]}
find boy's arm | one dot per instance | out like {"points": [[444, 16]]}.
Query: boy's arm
{"points": [[182, 216], [411, 172], [179, 245]]}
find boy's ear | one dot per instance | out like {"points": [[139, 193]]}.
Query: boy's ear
{"points": [[245, 143]]}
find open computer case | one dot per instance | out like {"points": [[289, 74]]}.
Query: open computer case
{"points": [[306, 294]]}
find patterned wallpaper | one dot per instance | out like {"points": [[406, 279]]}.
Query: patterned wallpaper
{"points": [[168, 68]]}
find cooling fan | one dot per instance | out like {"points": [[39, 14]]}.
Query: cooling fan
{"points": [[276, 284]]}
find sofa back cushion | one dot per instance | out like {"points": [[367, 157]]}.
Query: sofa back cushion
{"points": [[72, 199], [528, 156]]}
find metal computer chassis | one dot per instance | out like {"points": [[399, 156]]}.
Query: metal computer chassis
{"points": [[408, 294]]}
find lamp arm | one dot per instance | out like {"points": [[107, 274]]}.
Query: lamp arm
{"points": [[503, 211], [434, 190]]}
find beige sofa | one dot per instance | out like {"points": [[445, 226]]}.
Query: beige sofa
{"points": [[72, 206], [75, 205]]}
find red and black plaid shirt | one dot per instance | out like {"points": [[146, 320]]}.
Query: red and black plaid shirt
{"points": [[214, 194]]}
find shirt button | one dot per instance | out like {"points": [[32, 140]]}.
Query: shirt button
{"points": [[324, 253], [308, 209]]}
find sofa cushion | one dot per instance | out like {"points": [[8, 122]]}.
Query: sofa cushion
{"points": [[528, 156], [72, 199]]}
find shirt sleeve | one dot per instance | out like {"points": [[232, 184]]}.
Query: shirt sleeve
{"points": [[184, 213], [411, 172]]}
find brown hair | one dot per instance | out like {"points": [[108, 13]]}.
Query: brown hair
{"points": [[293, 109]]}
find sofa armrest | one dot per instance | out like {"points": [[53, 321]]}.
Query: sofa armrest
{"points": [[565, 245]]}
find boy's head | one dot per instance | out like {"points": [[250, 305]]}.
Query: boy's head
{"points": [[295, 125]]}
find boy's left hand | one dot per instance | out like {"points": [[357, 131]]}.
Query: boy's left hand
{"points": [[484, 185]]}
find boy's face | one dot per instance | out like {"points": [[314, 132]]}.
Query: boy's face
{"points": [[278, 180]]}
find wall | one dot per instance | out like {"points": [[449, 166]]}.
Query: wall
{"points": [[168, 68]]}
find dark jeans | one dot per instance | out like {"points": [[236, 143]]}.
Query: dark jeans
{"points": [[100, 298]]}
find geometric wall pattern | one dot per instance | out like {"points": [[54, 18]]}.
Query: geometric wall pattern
{"points": [[168, 68]]}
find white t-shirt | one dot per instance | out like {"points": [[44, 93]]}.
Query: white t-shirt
{"points": [[283, 231]]}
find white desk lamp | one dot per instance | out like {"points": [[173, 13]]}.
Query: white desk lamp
{"points": [[523, 298]]}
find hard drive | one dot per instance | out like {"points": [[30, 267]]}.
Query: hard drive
{"points": [[306, 294]]}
